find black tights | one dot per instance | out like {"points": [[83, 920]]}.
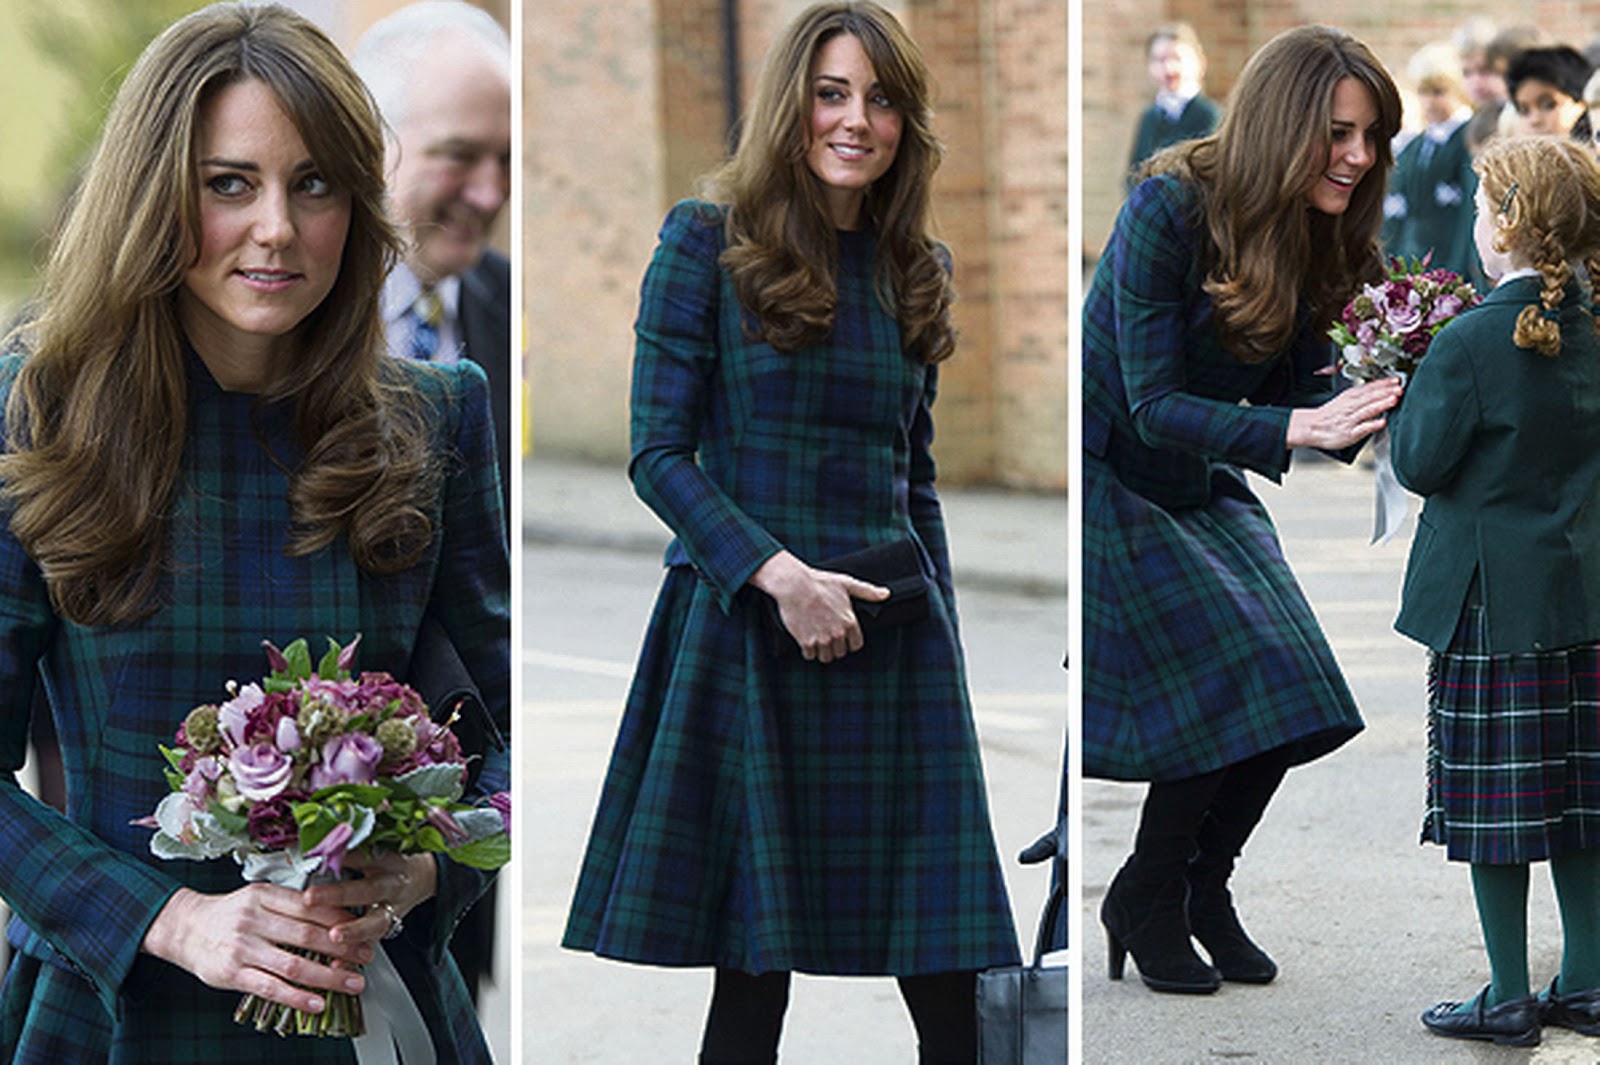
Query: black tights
{"points": [[746, 1017]]}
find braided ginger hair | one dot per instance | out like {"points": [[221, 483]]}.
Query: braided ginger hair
{"points": [[1545, 192]]}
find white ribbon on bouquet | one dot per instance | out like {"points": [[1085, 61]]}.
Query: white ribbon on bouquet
{"points": [[1391, 500]]}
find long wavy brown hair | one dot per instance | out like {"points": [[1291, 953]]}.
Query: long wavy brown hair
{"points": [[1270, 255], [1545, 194], [782, 250], [97, 418]]}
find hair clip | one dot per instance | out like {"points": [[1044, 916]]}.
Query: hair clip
{"points": [[1551, 314], [1505, 201]]}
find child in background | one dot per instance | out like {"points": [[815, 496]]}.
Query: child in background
{"points": [[1500, 430], [1429, 207]]}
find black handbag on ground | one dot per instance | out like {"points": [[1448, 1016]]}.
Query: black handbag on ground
{"points": [[896, 566], [1022, 1009]]}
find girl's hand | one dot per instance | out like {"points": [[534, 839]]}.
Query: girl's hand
{"points": [[237, 942], [394, 882], [814, 605], [1347, 418]]}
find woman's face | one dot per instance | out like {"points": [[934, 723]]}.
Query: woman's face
{"points": [[272, 230], [1352, 148], [854, 129], [1545, 109]]}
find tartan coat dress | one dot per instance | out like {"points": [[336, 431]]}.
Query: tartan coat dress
{"points": [[1200, 649], [761, 812], [84, 886]]}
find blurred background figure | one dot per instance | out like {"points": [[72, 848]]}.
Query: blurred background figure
{"points": [[1546, 86], [440, 71], [1428, 210], [1181, 110], [1591, 103], [1484, 72]]}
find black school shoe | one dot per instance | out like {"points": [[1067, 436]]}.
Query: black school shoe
{"points": [[1579, 1011], [1510, 1024]]}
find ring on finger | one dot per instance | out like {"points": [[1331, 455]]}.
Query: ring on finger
{"points": [[396, 925]]}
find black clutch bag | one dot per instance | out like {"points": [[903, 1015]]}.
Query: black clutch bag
{"points": [[439, 676], [896, 566]]}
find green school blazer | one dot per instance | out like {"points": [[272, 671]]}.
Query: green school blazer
{"points": [[1504, 443]]}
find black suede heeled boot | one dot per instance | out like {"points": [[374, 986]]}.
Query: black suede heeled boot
{"points": [[1144, 910], [1235, 810], [1215, 923], [1145, 917]]}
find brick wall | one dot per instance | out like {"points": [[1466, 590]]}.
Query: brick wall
{"points": [[1115, 87], [623, 110]]}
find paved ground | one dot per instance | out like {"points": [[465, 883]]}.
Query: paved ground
{"points": [[591, 568], [1368, 927]]}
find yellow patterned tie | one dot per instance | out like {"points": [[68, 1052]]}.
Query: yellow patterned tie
{"points": [[427, 313]]}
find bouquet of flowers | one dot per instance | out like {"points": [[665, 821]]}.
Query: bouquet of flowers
{"points": [[1384, 332], [1386, 329], [292, 774]]}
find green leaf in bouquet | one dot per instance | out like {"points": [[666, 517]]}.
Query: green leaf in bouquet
{"points": [[299, 657], [480, 823], [489, 853], [229, 822], [328, 667], [442, 781], [430, 839], [373, 795], [174, 756]]}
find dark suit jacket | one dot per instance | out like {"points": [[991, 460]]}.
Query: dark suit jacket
{"points": [[486, 334], [1505, 443]]}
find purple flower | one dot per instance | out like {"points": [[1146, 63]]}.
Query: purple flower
{"points": [[447, 825], [234, 715], [272, 823], [1445, 308], [288, 738], [202, 779], [501, 800], [348, 759], [332, 848], [260, 771]]}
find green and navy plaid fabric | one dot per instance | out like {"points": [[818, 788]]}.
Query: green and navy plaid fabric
{"points": [[84, 886], [762, 812], [1200, 649], [1513, 749]]}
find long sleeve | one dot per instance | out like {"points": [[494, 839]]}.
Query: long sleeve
{"points": [[927, 517], [471, 599], [675, 360], [1151, 322], [1429, 433], [90, 902]]}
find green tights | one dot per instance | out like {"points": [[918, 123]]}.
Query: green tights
{"points": [[1501, 892]]}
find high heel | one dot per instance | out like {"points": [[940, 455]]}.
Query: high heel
{"points": [[1147, 921]]}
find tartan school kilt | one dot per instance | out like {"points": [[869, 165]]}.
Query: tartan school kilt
{"points": [[1200, 649], [764, 813], [1513, 749]]}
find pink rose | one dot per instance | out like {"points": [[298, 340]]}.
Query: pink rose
{"points": [[348, 759], [260, 771]]}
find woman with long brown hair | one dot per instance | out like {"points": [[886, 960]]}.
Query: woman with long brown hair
{"points": [[794, 786], [1205, 354], [205, 448]]}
